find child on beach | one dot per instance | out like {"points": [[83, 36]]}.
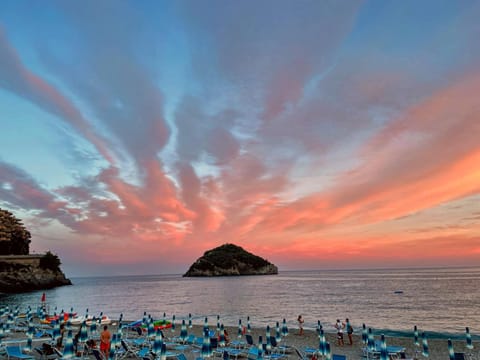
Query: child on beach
{"points": [[300, 324]]}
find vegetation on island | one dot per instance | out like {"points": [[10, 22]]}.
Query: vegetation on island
{"points": [[14, 237], [230, 259]]}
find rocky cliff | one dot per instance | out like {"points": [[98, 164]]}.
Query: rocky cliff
{"points": [[17, 277], [230, 260]]}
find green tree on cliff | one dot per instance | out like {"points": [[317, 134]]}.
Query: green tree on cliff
{"points": [[14, 238]]}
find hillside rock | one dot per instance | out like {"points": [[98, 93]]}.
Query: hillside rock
{"points": [[230, 260], [16, 278]]}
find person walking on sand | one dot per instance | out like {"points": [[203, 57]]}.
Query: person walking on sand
{"points": [[339, 326], [300, 324], [349, 328], [105, 341]]}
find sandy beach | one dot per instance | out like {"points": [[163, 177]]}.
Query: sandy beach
{"points": [[437, 347]]}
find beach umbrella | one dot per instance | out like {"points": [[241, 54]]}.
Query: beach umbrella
{"points": [[205, 345], [150, 329], [278, 334], [328, 351], [28, 347], [93, 327], [163, 352], [319, 327], [260, 348], [68, 325], [68, 349], [383, 349], [268, 346], [221, 340], [157, 342], [249, 328], [370, 340], [173, 323], [218, 323], [468, 338], [415, 336], [323, 343], [164, 318], [2, 331], [239, 332], [83, 332], [284, 328], [145, 318], [451, 353], [425, 344], [190, 321], [183, 331], [56, 330], [205, 324], [364, 334], [113, 345]]}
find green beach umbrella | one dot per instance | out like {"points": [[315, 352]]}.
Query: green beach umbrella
{"points": [[468, 338], [56, 330], [260, 348], [239, 332], [28, 347], [68, 349], [249, 328], [425, 345], [370, 341], [319, 327], [284, 328], [205, 353], [190, 320], [205, 324], [268, 346], [150, 329], [93, 327], [328, 351], [323, 343], [173, 323], [163, 353], [383, 349], [364, 334], [164, 318], [83, 332], [451, 353], [218, 323], [113, 345], [157, 342]]}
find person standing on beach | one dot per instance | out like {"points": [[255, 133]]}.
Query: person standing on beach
{"points": [[300, 324], [349, 331], [105, 341], [339, 326]]}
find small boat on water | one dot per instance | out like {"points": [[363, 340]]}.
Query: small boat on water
{"points": [[78, 320], [398, 292], [50, 318], [157, 324]]}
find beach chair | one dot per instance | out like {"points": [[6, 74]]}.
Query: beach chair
{"points": [[44, 355], [98, 355], [249, 339], [16, 353], [339, 357], [252, 353], [280, 349], [459, 356], [181, 356], [128, 350]]}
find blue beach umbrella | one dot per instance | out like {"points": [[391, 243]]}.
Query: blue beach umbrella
{"points": [[260, 348], [173, 323], [157, 342], [183, 331], [323, 343], [268, 346], [364, 334], [68, 325], [205, 324], [328, 351], [249, 327], [221, 336], [2, 331], [28, 347], [93, 327], [68, 349], [383, 349], [425, 345], [468, 338], [190, 321], [218, 323], [83, 332], [113, 345], [150, 329], [56, 330], [278, 334], [163, 352], [451, 353], [415, 336], [239, 332], [319, 327], [205, 345], [370, 341], [145, 318], [284, 328]]}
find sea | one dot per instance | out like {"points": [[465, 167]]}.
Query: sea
{"points": [[439, 301]]}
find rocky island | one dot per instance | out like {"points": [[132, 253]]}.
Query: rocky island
{"points": [[20, 271], [230, 260]]}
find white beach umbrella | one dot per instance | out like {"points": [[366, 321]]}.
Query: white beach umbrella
{"points": [[425, 345]]}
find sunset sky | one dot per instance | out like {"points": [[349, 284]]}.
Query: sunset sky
{"points": [[135, 135]]}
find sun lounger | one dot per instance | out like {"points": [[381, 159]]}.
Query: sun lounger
{"points": [[339, 357], [16, 353]]}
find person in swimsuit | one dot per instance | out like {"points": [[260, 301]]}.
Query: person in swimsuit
{"points": [[105, 337], [339, 326]]}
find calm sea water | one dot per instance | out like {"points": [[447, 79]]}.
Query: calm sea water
{"points": [[438, 301]]}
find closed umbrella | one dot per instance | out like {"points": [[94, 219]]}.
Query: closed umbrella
{"points": [[323, 343], [319, 327], [28, 347], [157, 342], [425, 345], [68, 349], [113, 345], [173, 323], [364, 334], [415, 336], [218, 323], [190, 321], [284, 328], [145, 318], [328, 351], [260, 348], [183, 332], [268, 346], [468, 338], [221, 336], [150, 329], [163, 353], [249, 327], [370, 340], [239, 332], [278, 334], [205, 353], [383, 349], [83, 332], [451, 353], [93, 327], [205, 324], [56, 330]]}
